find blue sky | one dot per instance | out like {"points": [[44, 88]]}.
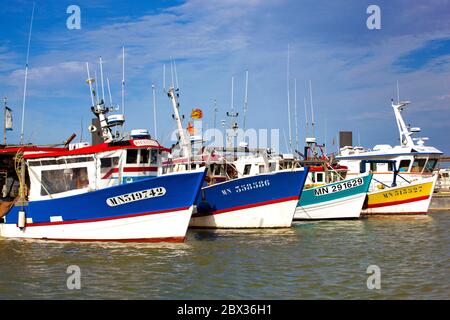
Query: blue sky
{"points": [[353, 69]]}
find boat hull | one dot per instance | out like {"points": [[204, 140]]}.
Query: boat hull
{"points": [[239, 204], [412, 199], [128, 212], [334, 200]]}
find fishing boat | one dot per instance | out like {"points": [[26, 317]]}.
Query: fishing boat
{"points": [[327, 193], [443, 182], [403, 179], [263, 200], [82, 193]]}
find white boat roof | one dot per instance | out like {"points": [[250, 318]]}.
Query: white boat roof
{"points": [[386, 151]]}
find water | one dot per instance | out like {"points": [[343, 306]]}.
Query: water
{"points": [[318, 260]]}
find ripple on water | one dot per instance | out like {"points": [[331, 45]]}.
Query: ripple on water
{"points": [[312, 260]]}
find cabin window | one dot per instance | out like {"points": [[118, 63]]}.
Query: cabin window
{"points": [[261, 169], [272, 166], [132, 155], [59, 161], [145, 156], [247, 169], [319, 177], [62, 180], [430, 165], [390, 166], [107, 164], [217, 169], [418, 165], [373, 167], [404, 165], [153, 156]]}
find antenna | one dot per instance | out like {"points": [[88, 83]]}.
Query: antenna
{"points": [[96, 85], [398, 94], [176, 74], [123, 80], [81, 130], [26, 76], [246, 96], [154, 108], [164, 77], [215, 112], [325, 139], [312, 109], [295, 113], [171, 71], [89, 81], [232, 94], [109, 92], [306, 117], [289, 103], [101, 76]]}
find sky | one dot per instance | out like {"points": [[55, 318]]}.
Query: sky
{"points": [[353, 69]]}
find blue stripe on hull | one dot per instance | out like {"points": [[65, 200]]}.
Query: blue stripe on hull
{"points": [[251, 190], [181, 192]]}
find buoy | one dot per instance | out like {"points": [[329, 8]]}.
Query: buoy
{"points": [[22, 220]]}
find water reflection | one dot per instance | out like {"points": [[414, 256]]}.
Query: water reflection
{"points": [[317, 259]]}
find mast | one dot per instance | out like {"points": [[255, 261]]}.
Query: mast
{"points": [[185, 145], [312, 109], [295, 113], [289, 105], [306, 117], [26, 77], [246, 97], [215, 112], [404, 132], [232, 114], [101, 76], [4, 123], [154, 108], [100, 111], [123, 82]]}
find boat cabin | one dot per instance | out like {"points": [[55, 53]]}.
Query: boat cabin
{"points": [[70, 172], [417, 161], [218, 171]]}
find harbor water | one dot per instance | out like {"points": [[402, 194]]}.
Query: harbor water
{"points": [[312, 260]]}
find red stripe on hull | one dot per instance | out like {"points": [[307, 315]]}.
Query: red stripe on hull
{"points": [[384, 204], [394, 214], [39, 224], [253, 205], [139, 240]]}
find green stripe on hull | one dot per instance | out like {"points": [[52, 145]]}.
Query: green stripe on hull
{"points": [[335, 191]]}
